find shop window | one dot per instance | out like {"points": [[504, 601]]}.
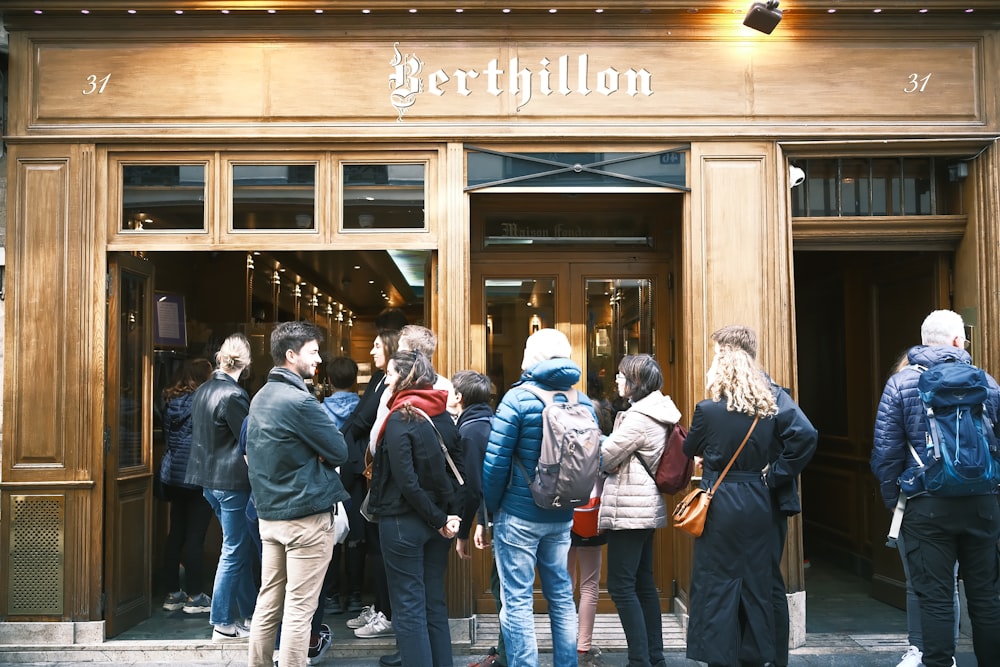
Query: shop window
{"points": [[159, 197], [857, 187], [384, 197], [274, 197], [487, 168]]}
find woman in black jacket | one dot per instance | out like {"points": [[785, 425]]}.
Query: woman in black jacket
{"points": [[417, 496], [731, 622]]}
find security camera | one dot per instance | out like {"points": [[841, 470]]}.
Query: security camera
{"points": [[795, 176]]}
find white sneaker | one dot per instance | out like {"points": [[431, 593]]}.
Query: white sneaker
{"points": [[230, 633], [365, 617], [911, 658], [379, 626]]}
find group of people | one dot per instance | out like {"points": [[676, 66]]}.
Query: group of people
{"points": [[420, 460]]}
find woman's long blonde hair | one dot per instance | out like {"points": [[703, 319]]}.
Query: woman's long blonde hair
{"points": [[736, 377]]}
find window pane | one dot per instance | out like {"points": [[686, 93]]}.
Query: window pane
{"points": [[163, 197], [855, 187], [821, 182], [619, 322], [384, 196], [274, 196], [885, 187], [578, 169], [515, 309], [916, 187]]}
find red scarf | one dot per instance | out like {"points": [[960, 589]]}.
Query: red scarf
{"points": [[430, 400]]}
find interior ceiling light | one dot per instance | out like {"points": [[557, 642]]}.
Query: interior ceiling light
{"points": [[763, 16]]}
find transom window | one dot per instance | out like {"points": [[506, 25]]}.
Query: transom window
{"points": [[871, 186]]}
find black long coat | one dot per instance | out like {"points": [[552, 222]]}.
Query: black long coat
{"points": [[731, 618]]}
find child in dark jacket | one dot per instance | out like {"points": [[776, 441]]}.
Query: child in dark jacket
{"points": [[470, 399]]}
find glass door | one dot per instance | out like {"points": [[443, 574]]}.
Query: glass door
{"points": [[608, 308]]}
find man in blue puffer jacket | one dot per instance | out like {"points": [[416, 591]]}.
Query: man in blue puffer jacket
{"points": [[937, 531], [524, 534]]}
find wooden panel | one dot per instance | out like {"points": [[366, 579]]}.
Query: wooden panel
{"points": [[481, 77], [735, 240], [43, 202]]}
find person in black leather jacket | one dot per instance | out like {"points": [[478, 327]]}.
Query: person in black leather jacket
{"points": [[216, 464]]}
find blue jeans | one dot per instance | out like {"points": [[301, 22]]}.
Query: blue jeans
{"points": [[234, 580], [633, 590], [519, 546], [416, 557], [913, 631]]}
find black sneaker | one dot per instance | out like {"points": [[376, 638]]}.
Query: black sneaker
{"points": [[354, 603], [317, 650]]}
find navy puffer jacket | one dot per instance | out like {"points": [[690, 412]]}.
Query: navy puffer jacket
{"points": [[517, 436], [177, 435], [901, 418]]}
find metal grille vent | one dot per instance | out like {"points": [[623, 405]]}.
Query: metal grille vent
{"points": [[35, 563]]}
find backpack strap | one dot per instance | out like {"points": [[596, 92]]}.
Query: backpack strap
{"points": [[548, 396]]}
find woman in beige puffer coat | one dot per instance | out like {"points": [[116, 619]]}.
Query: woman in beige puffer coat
{"points": [[632, 508]]}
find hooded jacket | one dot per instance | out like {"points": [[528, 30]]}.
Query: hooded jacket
{"points": [[292, 451], [217, 412], [900, 418], [340, 405], [517, 436], [630, 499]]}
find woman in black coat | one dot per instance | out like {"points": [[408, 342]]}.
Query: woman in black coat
{"points": [[417, 497], [731, 621]]}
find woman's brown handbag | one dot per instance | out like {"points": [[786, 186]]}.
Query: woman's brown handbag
{"points": [[689, 514]]}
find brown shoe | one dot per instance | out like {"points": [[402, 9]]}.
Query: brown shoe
{"points": [[487, 661]]}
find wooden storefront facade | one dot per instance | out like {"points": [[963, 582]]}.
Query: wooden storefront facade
{"points": [[662, 141]]}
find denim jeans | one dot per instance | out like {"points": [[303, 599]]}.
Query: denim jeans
{"points": [[296, 555], [519, 546], [234, 580], [416, 558], [913, 632], [633, 590], [939, 531]]}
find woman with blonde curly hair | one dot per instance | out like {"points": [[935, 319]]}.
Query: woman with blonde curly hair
{"points": [[731, 621]]}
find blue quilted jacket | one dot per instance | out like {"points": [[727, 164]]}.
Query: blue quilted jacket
{"points": [[177, 430], [901, 418], [517, 436]]}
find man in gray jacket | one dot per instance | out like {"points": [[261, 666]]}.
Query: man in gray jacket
{"points": [[292, 454]]}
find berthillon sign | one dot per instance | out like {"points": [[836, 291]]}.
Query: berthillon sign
{"points": [[407, 80]]}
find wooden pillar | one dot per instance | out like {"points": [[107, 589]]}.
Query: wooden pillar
{"points": [[737, 270]]}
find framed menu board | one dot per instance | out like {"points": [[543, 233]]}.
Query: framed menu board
{"points": [[170, 320]]}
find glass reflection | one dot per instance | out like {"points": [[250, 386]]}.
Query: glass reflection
{"points": [[131, 363], [163, 197], [515, 309], [619, 321], [274, 196], [384, 196]]}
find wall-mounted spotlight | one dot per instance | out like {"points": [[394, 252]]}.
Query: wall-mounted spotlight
{"points": [[763, 16]]}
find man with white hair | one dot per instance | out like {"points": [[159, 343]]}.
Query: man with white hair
{"points": [[938, 530], [524, 534]]}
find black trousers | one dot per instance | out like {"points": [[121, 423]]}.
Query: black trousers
{"points": [[779, 597], [937, 532]]}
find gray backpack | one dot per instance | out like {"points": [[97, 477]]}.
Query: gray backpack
{"points": [[570, 455]]}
